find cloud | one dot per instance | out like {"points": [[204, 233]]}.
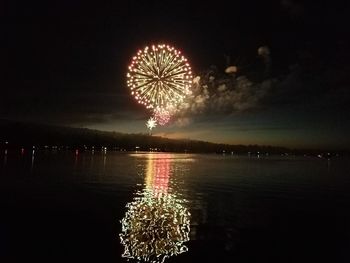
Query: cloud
{"points": [[69, 108], [182, 121], [219, 94], [223, 96], [264, 52]]}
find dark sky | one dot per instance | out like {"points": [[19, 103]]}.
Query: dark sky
{"points": [[64, 62]]}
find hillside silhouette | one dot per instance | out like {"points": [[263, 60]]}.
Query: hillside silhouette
{"points": [[26, 135]]}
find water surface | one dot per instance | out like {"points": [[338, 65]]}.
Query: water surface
{"points": [[116, 207]]}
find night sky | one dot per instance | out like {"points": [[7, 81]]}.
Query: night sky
{"points": [[65, 63]]}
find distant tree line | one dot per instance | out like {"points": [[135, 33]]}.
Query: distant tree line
{"points": [[27, 135]]}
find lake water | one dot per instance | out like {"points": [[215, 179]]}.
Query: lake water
{"points": [[154, 207]]}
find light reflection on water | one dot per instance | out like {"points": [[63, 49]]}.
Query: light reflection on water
{"points": [[240, 206], [157, 223]]}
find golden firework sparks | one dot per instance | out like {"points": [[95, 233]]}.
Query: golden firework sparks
{"points": [[159, 77]]}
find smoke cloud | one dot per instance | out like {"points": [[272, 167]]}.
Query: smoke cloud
{"points": [[226, 92], [234, 90]]}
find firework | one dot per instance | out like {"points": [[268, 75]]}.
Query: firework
{"points": [[162, 116], [159, 77], [151, 123]]}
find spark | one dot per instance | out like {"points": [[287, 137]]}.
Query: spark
{"points": [[151, 123], [162, 116], [159, 77]]}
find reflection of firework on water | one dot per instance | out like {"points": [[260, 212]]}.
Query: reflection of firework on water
{"points": [[155, 228], [162, 115], [151, 123]]}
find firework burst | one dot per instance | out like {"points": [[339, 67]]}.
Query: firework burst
{"points": [[160, 78], [162, 116], [151, 123]]}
